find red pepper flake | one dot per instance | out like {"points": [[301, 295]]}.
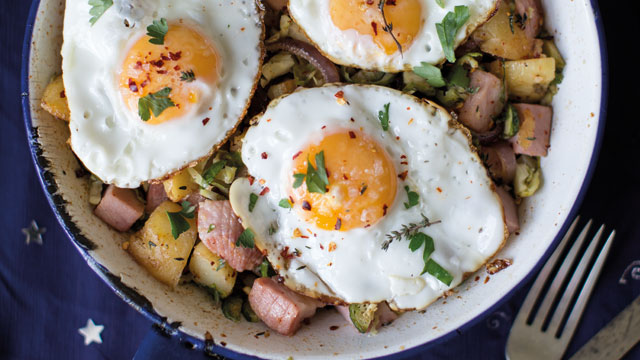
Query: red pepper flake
{"points": [[161, 72], [369, 2], [375, 28], [344, 176], [404, 163], [352, 120], [205, 121], [264, 155], [242, 28], [291, 199], [176, 68], [157, 63], [403, 156], [332, 246], [390, 2], [498, 265], [63, 94], [339, 94], [398, 138], [352, 134], [138, 65], [486, 280], [439, 189], [338, 224], [334, 327], [264, 191], [306, 205], [321, 247], [340, 98], [144, 83], [324, 127], [403, 175], [296, 155], [133, 86], [251, 179], [175, 56], [477, 278], [285, 253], [164, 57], [384, 209]]}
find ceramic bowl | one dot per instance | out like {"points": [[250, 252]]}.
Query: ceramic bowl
{"points": [[187, 313]]}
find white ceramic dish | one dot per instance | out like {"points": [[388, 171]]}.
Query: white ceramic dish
{"points": [[577, 128]]}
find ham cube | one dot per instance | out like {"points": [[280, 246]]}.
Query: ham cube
{"points": [[481, 107], [510, 210], [119, 208], [535, 130], [155, 196]]}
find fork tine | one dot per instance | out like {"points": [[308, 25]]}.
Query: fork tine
{"points": [[572, 287], [559, 278], [585, 293], [530, 300]]}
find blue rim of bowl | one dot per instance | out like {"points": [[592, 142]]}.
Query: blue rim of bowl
{"points": [[144, 306]]}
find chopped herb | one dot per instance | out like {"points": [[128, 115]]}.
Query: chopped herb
{"points": [[413, 198], [178, 259], [221, 264], [265, 268], [388, 27], [211, 228], [157, 31], [154, 103], [431, 73], [363, 189], [301, 267], [188, 210], [285, 203], [459, 76], [299, 178], [210, 173], [152, 244], [531, 138], [188, 76], [433, 268], [316, 178], [407, 231], [178, 223], [98, 7], [245, 239], [253, 198], [440, 3], [383, 116], [511, 22], [273, 227], [448, 29], [417, 240]]}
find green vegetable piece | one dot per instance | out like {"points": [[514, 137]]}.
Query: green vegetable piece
{"points": [[362, 316], [178, 223], [154, 103], [434, 269], [383, 116], [188, 210], [210, 173], [511, 122], [248, 313], [299, 178], [285, 203], [188, 76], [265, 269], [215, 294], [440, 3], [98, 8], [413, 198], [316, 178], [550, 49], [157, 31], [413, 82], [431, 73], [528, 176], [357, 76], [452, 97], [448, 29], [232, 308], [253, 198], [246, 239]]}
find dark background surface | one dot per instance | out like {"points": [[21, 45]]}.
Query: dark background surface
{"points": [[47, 292]]}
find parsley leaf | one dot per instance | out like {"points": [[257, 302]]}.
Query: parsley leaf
{"points": [[157, 31], [440, 3], [188, 76], [299, 178], [221, 264], [98, 7], [210, 173], [285, 203], [459, 76], [448, 29], [413, 198], [433, 268], [245, 239], [253, 198], [431, 73], [416, 241], [178, 223], [383, 116], [316, 179], [154, 103]]}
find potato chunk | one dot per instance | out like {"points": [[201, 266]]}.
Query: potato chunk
{"points": [[503, 37], [54, 100], [155, 248], [527, 80], [208, 271], [179, 186]]}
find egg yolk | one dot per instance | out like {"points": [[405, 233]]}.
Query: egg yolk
{"points": [[362, 182], [183, 63], [365, 17]]}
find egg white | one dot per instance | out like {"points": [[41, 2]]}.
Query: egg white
{"points": [[442, 167], [352, 49], [112, 141]]}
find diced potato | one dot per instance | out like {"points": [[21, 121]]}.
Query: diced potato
{"points": [[206, 270], [502, 36], [282, 88], [527, 80], [54, 100], [180, 185], [280, 64], [156, 250]]}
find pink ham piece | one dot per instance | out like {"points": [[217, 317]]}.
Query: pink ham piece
{"points": [[119, 208], [510, 210], [535, 129], [155, 196], [279, 307], [219, 229], [530, 12], [500, 160], [481, 107], [384, 314]]}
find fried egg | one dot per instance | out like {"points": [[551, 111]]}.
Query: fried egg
{"points": [[353, 32], [334, 245], [192, 72]]}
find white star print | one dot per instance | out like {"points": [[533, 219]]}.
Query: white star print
{"points": [[33, 233], [91, 332]]}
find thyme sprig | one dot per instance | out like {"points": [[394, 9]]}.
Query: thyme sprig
{"points": [[388, 27], [407, 231]]}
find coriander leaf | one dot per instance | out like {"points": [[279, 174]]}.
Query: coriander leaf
{"points": [[440, 3], [210, 173], [415, 241], [188, 210], [433, 268], [383, 116], [429, 247], [221, 264], [299, 178], [431, 73], [459, 76], [157, 31], [188, 76], [285, 203], [253, 198], [98, 7], [316, 179], [448, 29], [322, 171], [178, 223], [245, 239], [154, 103], [413, 198]]}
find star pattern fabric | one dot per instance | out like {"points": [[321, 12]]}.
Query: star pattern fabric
{"points": [[91, 332], [33, 233]]}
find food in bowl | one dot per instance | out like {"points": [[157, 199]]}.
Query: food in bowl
{"points": [[364, 194]]}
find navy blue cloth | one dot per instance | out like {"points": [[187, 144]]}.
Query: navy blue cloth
{"points": [[47, 292]]}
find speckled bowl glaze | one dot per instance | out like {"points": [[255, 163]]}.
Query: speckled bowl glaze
{"points": [[187, 313]]}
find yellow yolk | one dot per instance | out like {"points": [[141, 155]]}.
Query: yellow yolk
{"points": [[149, 68], [365, 17], [362, 182]]}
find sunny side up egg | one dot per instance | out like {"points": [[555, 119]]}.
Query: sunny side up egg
{"points": [[330, 241], [352, 32], [148, 101]]}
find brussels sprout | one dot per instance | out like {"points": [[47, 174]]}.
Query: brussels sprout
{"points": [[366, 77], [470, 60], [511, 122], [549, 48], [453, 97], [232, 308], [414, 82], [362, 316], [528, 176], [248, 312]]}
